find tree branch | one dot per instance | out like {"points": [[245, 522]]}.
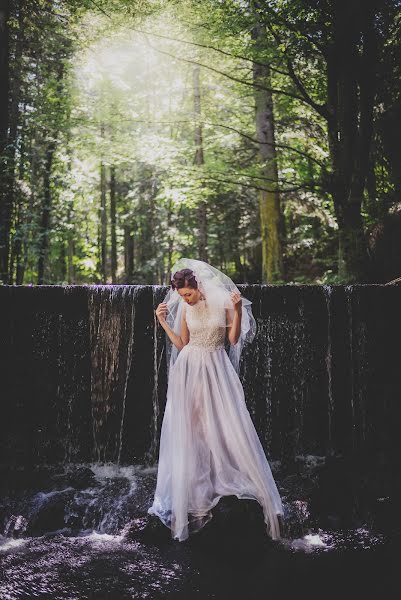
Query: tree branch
{"points": [[204, 176], [319, 108], [304, 95], [319, 47], [236, 79], [215, 49], [255, 187], [241, 133]]}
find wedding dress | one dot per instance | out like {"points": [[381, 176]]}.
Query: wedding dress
{"points": [[209, 447]]}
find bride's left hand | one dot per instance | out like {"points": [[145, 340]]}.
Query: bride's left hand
{"points": [[236, 300]]}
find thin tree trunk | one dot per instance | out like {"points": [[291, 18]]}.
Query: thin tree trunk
{"points": [[113, 214], [70, 248], [13, 202], [371, 188], [46, 210], [170, 242], [151, 229], [234, 244], [5, 6], [63, 261], [34, 167], [70, 260], [5, 211], [269, 199], [20, 221], [16, 246], [391, 150], [44, 230], [128, 254], [199, 161], [103, 217], [17, 250]]}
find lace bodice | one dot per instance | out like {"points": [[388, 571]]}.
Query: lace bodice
{"points": [[204, 329]]}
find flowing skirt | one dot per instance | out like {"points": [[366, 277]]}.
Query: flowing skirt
{"points": [[209, 447]]}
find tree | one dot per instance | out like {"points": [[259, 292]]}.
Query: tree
{"points": [[232, 131], [269, 198], [5, 207], [199, 161], [343, 40]]}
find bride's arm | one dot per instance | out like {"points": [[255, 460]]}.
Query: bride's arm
{"points": [[179, 341], [234, 330], [184, 326]]}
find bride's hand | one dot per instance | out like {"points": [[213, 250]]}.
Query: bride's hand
{"points": [[236, 300], [161, 312]]}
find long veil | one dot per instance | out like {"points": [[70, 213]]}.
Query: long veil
{"points": [[217, 288]]}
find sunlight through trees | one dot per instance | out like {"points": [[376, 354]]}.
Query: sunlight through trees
{"points": [[250, 134]]}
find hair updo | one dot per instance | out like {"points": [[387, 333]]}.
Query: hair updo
{"points": [[184, 278]]}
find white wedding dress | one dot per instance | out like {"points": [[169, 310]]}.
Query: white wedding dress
{"points": [[209, 447]]}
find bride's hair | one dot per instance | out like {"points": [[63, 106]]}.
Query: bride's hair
{"points": [[184, 278]]}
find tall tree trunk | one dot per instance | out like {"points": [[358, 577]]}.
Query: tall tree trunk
{"points": [[269, 200], [63, 261], [5, 6], [16, 246], [34, 169], [70, 233], [199, 161], [234, 244], [373, 206], [128, 254], [113, 215], [70, 248], [170, 247], [6, 165], [391, 147], [103, 217], [350, 124], [14, 203], [152, 229], [46, 210], [70, 260], [20, 222], [51, 145], [17, 249]]}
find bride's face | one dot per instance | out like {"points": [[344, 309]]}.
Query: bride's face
{"points": [[189, 295]]}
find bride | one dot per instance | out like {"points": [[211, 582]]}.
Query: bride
{"points": [[209, 447]]}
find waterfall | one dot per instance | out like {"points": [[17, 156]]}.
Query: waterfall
{"points": [[111, 314], [158, 293], [83, 372]]}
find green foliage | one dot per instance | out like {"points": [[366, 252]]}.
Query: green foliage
{"points": [[114, 99]]}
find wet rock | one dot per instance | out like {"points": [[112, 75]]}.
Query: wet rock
{"points": [[15, 526], [148, 529], [79, 477], [50, 512], [235, 522]]}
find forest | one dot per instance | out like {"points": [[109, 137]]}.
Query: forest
{"points": [[261, 136]]}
